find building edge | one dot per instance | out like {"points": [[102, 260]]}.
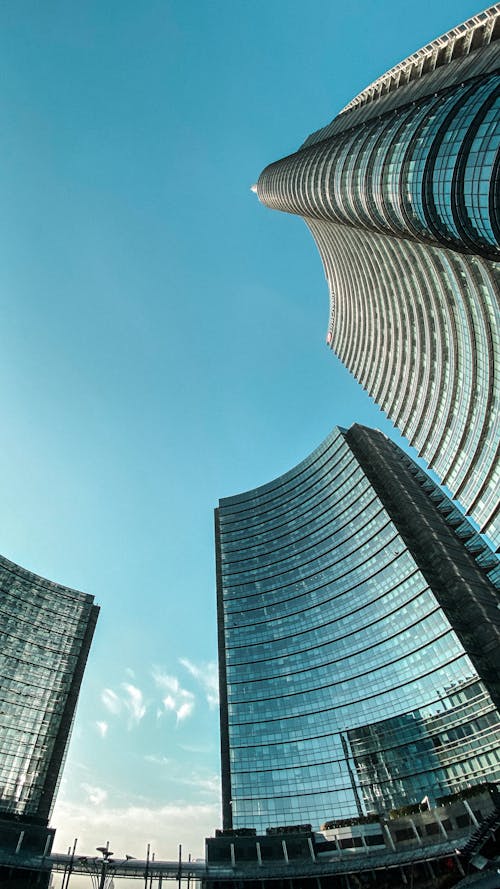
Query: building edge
{"points": [[227, 816]]}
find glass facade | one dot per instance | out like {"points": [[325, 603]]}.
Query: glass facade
{"points": [[402, 195], [45, 634], [347, 683], [426, 171]]}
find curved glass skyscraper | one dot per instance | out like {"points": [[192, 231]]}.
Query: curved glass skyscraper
{"points": [[45, 635], [358, 640], [402, 195]]}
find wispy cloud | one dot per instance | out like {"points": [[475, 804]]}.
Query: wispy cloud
{"points": [[184, 710], [130, 701], [166, 681], [177, 699], [102, 728], [95, 795], [204, 783], [157, 760], [207, 676], [111, 701], [197, 748], [134, 703]]}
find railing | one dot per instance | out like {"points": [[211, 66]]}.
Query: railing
{"points": [[185, 871]]}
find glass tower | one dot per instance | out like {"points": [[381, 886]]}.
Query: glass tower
{"points": [[358, 640], [401, 193], [45, 635]]}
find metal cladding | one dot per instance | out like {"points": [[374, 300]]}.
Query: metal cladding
{"points": [[358, 640], [45, 635], [402, 195]]}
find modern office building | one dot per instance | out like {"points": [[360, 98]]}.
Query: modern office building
{"points": [[359, 635], [401, 193], [45, 635]]}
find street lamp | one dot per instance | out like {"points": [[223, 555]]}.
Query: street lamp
{"points": [[102, 870], [106, 859]]}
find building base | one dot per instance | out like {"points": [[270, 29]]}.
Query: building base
{"points": [[20, 841]]}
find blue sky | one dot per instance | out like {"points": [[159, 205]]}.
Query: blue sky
{"points": [[162, 344]]}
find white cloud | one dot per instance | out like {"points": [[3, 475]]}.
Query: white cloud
{"points": [[111, 701], [131, 702], [179, 700], [206, 784], [169, 703], [210, 784], [95, 795], [207, 675], [165, 681], [134, 703], [176, 774], [130, 828], [197, 748], [158, 760], [184, 710], [102, 728]]}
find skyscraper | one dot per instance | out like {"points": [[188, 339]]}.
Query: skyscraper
{"points": [[45, 635], [358, 640], [401, 193]]}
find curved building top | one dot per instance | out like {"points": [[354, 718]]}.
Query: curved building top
{"points": [[42, 583], [460, 41], [465, 51], [281, 482]]}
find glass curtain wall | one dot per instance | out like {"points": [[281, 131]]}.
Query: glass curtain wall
{"points": [[45, 635], [344, 686]]}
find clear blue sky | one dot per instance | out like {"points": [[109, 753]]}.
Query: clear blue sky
{"points": [[162, 343]]}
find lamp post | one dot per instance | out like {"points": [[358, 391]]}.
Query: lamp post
{"points": [[102, 870], [106, 860]]}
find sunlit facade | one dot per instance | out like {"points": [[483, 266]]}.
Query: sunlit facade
{"points": [[358, 640], [45, 635], [402, 195]]}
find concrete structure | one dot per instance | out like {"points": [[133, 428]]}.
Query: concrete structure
{"points": [[358, 640], [401, 193], [422, 846]]}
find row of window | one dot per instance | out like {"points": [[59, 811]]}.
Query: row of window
{"points": [[403, 173]]}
